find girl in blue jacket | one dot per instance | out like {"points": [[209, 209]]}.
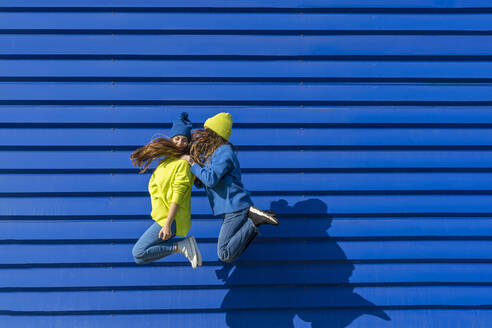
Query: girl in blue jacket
{"points": [[215, 164]]}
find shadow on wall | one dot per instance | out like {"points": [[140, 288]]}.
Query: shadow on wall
{"points": [[293, 300]]}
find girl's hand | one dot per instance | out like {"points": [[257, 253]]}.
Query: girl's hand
{"points": [[165, 232], [187, 158]]}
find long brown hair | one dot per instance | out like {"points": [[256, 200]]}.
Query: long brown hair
{"points": [[157, 147], [203, 144]]}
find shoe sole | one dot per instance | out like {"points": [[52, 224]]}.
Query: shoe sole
{"points": [[197, 250], [256, 211]]}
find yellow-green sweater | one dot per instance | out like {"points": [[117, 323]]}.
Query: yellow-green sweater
{"points": [[172, 181]]}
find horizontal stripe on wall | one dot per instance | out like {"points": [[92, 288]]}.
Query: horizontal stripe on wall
{"points": [[271, 298], [136, 184], [294, 93], [299, 116], [260, 251], [246, 45], [245, 70], [159, 21], [224, 276], [247, 3], [297, 159], [406, 318], [137, 137], [296, 228], [139, 206]]}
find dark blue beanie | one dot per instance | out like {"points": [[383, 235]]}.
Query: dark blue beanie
{"points": [[181, 126]]}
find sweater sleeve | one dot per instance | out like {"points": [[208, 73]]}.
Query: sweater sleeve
{"points": [[220, 164], [183, 180]]}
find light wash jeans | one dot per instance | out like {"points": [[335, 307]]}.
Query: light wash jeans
{"points": [[236, 234], [149, 247]]}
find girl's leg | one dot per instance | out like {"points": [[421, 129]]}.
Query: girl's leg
{"points": [[236, 233], [150, 248]]}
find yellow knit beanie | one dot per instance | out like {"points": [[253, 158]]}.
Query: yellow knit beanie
{"points": [[220, 124]]}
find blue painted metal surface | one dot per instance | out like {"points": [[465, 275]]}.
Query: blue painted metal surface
{"points": [[366, 124]]}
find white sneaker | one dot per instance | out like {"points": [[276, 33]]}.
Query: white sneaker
{"points": [[197, 251], [188, 248]]}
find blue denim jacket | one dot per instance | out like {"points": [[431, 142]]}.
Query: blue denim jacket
{"points": [[221, 177]]}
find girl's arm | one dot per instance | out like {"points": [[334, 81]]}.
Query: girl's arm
{"points": [[190, 161], [166, 232], [220, 164], [183, 180]]}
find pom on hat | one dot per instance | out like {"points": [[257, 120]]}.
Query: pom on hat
{"points": [[184, 116]]}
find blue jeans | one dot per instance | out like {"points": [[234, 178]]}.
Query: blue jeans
{"points": [[149, 247], [236, 234]]}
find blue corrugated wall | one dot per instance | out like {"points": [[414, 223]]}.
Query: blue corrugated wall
{"points": [[366, 124]]}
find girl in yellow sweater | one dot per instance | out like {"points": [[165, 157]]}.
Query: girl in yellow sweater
{"points": [[170, 193]]}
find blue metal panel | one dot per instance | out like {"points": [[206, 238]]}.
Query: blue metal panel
{"points": [[117, 184], [245, 45], [50, 278], [431, 4], [366, 124], [266, 319], [259, 22], [160, 116], [299, 160], [254, 137], [324, 250], [401, 70], [104, 206], [339, 228]]}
